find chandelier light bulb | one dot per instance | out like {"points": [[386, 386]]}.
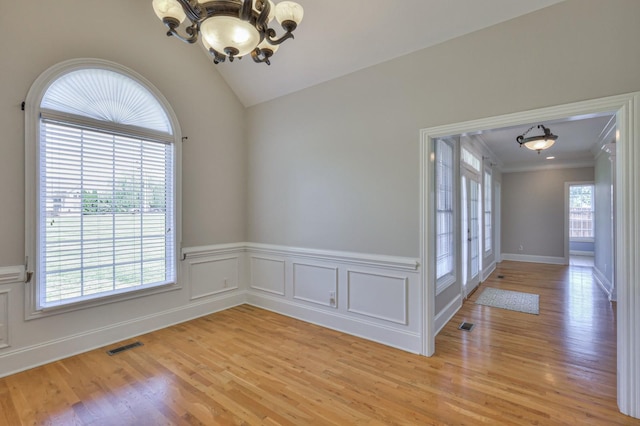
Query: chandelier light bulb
{"points": [[169, 9], [289, 11], [226, 32], [539, 144]]}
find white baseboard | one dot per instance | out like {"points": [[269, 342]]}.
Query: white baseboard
{"points": [[534, 259], [604, 283], [445, 315], [581, 253], [488, 271], [43, 353], [368, 330]]}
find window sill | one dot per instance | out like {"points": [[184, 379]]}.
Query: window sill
{"points": [[444, 283], [32, 313], [581, 240]]}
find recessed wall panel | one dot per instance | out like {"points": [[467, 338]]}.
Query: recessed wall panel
{"points": [[4, 319], [213, 276], [316, 284], [268, 275], [378, 296]]}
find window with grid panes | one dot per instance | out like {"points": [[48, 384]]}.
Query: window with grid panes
{"points": [[445, 225], [105, 188]]}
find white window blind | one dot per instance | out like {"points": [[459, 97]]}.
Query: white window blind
{"points": [[444, 209], [105, 213], [471, 160], [487, 212], [106, 96], [105, 190]]}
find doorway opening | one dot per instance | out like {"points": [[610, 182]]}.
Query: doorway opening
{"points": [[581, 219], [626, 109]]}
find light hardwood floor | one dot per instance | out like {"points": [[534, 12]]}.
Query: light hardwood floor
{"points": [[250, 366]]}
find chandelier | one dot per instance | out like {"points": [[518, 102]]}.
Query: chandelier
{"points": [[231, 28], [537, 143]]}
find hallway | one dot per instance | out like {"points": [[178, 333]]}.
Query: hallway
{"points": [[556, 367]]}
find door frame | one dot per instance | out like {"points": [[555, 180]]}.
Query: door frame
{"points": [[627, 110]]}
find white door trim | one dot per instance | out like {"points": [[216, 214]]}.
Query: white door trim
{"points": [[627, 110]]}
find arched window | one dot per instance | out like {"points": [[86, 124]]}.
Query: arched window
{"points": [[101, 154]]}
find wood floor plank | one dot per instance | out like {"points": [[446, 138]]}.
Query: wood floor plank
{"points": [[250, 366]]}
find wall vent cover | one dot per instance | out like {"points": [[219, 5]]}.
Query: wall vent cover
{"points": [[123, 348]]}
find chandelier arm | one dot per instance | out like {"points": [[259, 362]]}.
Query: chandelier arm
{"points": [[246, 10], [260, 56], [263, 19], [271, 33], [217, 56], [192, 31], [192, 9]]}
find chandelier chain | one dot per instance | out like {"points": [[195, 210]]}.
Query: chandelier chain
{"points": [[530, 128]]}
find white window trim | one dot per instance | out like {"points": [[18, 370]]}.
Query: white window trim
{"points": [[488, 252], [32, 128]]}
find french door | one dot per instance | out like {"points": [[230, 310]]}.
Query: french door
{"points": [[470, 235]]}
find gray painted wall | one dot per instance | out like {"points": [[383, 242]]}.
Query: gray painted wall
{"points": [[336, 166], [603, 260], [126, 32], [533, 206]]}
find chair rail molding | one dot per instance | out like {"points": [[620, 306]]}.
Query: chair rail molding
{"points": [[11, 274]]}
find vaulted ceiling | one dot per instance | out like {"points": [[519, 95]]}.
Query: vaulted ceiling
{"points": [[338, 37]]}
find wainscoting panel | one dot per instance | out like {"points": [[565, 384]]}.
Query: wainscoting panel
{"points": [[210, 276], [268, 275], [4, 319], [378, 296], [315, 284]]}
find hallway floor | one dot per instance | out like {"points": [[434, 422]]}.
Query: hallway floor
{"points": [[581, 261], [558, 367]]}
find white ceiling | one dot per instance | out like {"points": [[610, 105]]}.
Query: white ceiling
{"points": [[578, 142], [337, 37]]}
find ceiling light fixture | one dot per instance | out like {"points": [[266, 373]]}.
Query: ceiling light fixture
{"points": [[231, 28], [537, 143]]}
